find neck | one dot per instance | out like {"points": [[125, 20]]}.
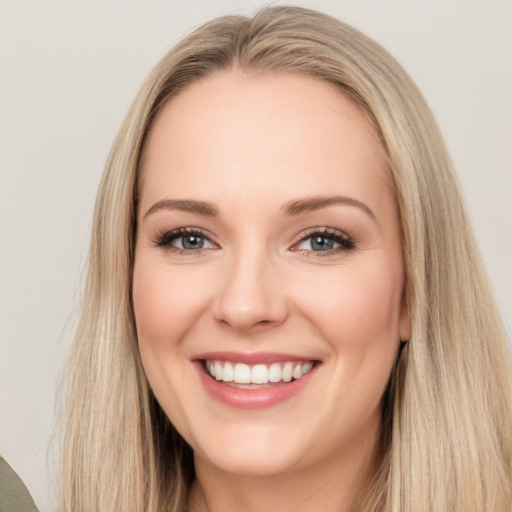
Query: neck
{"points": [[333, 484]]}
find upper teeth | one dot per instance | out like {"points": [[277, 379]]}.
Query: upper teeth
{"points": [[257, 374]]}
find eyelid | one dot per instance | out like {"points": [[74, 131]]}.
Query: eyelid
{"points": [[164, 239], [346, 241]]}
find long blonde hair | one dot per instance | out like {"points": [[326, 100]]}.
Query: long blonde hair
{"points": [[447, 434]]}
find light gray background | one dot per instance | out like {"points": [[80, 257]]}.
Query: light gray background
{"points": [[68, 71]]}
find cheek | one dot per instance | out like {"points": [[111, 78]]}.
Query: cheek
{"points": [[358, 315], [166, 303], [355, 307]]}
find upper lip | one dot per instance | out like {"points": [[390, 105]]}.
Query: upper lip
{"points": [[251, 358]]}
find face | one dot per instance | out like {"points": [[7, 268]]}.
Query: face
{"points": [[268, 276]]}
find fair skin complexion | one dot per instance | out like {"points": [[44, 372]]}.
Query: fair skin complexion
{"points": [[291, 252]]}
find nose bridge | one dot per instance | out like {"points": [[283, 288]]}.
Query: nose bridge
{"points": [[250, 295]]}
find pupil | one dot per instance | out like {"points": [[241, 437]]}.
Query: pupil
{"points": [[321, 243], [192, 242]]}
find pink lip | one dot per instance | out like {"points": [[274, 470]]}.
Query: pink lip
{"points": [[251, 399], [250, 358]]}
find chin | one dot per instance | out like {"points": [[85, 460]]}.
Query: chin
{"points": [[257, 454], [252, 463]]}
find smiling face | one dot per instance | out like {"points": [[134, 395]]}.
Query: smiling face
{"points": [[268, 254]]}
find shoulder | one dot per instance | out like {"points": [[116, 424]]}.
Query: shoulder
{"points": [[14, 495]]}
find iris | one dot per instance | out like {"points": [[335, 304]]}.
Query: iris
{"points": [[192, 242], [321, 243]]}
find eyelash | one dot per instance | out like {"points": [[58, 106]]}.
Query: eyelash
{"points": [[346, 242], [166, 238]]}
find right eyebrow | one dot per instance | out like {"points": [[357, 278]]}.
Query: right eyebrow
{"points": [[184, 205]]}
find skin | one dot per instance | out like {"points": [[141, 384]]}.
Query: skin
{"points": [[249, 145]]}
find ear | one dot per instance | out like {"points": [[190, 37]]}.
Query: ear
{"points": [[405, 319]]}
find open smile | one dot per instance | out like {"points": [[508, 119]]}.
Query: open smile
{"points": [[260, 374], [254, 381]]}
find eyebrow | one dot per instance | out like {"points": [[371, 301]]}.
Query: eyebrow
{"points": [[184, 205], [311, 204], [295, 207]]}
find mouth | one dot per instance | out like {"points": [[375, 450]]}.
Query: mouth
{"points": [[254, 381], [257, 376]]}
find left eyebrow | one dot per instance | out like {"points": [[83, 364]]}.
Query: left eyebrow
{"points": [[311, 204]]}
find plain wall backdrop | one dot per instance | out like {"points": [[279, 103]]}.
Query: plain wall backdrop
{"points": [[68, 72]]}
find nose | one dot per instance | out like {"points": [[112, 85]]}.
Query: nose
{"points": [[252, 295]]}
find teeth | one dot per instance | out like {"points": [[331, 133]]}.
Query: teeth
{"points": [[306, 367], [287, 372], [274, 372], [242, 373], [257, 374], [228, 373], [218, 370]]}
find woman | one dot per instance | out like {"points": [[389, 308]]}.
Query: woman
{"points": [[285, 306]]}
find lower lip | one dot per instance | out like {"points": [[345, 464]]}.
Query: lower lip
{"points": [[252, 399]]}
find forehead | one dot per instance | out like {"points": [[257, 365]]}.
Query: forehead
{"points": [[289, 130]]}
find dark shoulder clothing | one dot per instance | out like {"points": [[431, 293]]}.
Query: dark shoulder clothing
{"points": [[14, 496]]}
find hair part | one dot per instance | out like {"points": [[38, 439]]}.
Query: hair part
{"points": [[447, 438]]}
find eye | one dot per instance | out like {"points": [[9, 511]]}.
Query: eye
{"points": [[184, 240], [325, 241], [320, 243], [191, 242]]}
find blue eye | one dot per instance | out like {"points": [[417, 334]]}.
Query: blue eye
{"points": [[184, 240], [189, 242], [326, 241], [321, 243]]}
